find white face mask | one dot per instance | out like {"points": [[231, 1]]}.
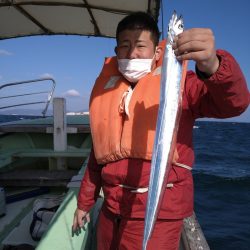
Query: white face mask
{"points": [[134, 69]]}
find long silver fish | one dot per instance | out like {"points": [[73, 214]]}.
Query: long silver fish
{"points": [[172, 81]]}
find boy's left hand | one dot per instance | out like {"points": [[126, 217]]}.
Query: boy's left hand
{"points": [[197, 44]]}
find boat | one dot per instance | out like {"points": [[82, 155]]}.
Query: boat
{"points": [[43, 160]]}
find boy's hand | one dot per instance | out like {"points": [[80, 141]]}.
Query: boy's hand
{"points": [[197, 44], [80, 218]]}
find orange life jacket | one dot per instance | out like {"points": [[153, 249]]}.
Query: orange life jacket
{"points": [[116, 135]]}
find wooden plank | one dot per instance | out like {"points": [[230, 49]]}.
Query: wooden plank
{"points": [[192, 235], [70, 130], [60, 125], [59, 132], [20, 128], [37, 178], [36, 153]]}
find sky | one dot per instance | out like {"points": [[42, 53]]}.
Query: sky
{"points": [[75, 61]]}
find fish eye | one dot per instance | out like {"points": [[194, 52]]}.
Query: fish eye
{"points": [[180, 26]]}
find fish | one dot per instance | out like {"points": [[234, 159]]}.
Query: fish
{"points": [[171, 88]]}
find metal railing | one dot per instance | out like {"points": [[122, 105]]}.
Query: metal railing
{"points": [[47, 101]]}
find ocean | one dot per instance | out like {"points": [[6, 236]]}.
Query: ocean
{"points": [[222, 182]]}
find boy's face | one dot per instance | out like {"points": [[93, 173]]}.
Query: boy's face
{"points": [[136, 44]]}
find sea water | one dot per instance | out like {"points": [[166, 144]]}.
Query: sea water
{"points": [[222, 182]]}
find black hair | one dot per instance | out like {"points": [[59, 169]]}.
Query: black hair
{"points": [[139, 21]]}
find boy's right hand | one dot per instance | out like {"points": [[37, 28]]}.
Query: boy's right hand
{"points": [[80, 218]]}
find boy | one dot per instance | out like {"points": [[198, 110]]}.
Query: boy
{"points": [[123, 112]]}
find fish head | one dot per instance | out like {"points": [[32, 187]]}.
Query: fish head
{"points": [[175, 26]]}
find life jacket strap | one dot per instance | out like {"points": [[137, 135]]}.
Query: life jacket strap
{"points": [[182, 165], [142, 190]]}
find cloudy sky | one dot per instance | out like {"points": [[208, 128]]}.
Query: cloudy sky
{"points": [[75, 62]]}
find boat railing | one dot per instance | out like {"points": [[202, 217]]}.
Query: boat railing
{"points": [[45, 101]]}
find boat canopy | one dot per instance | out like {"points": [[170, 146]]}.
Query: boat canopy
{"points": [[70, 17]]}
